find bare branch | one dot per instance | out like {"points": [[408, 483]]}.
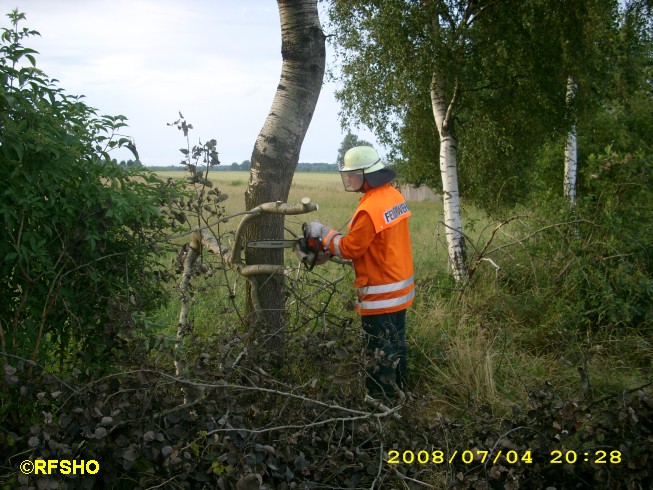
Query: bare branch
{"points": [[481, 254], [556, 225], [306, 206], [183, 326], [366, 416]]}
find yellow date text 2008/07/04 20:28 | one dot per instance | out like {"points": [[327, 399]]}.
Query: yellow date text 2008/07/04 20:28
{"points": [[471, 456]]}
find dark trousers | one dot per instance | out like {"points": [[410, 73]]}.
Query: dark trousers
{"points": [[385, 346]]}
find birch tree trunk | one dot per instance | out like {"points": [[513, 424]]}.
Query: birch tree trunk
{"points": [[276, 151], [442, 112], [571, 147]]}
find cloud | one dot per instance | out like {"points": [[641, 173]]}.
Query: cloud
{"points": [[216, 61]]}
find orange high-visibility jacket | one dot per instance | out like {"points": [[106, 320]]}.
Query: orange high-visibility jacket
{"points": [[378, 243]]}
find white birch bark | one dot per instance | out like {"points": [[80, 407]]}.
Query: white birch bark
{"points": [[442, 112], [571, 147]]}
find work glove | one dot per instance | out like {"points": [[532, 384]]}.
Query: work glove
{"points": [[317, 229], [325, 233]]}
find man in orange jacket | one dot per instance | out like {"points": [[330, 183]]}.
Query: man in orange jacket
{"points": [[378, 243]]}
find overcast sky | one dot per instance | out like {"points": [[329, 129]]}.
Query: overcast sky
{"points": [[216, 61]]}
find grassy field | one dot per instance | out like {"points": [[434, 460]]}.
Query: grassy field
{"points": [[479, 343]]}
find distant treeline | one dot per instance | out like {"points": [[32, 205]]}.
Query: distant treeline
{"points": [[246, 165]]}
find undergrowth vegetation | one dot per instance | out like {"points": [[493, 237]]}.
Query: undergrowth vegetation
{"points": [[79, 251], [536, 373], [509, 385]]}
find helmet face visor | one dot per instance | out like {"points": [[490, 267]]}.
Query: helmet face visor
{"points": [[353, 180]]}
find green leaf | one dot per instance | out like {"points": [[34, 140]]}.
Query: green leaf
{"points": [[18, 148]]}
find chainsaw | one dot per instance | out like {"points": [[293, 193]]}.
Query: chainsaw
{"points": [[306, 247]]}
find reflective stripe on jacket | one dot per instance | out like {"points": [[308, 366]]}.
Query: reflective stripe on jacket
{"points": [[378, 243]]}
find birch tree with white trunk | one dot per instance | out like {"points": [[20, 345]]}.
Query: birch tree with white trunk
{"points": [[571, 146], [442, 113]]}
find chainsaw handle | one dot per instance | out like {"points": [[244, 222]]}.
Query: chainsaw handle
{"points": [[310, 246]]}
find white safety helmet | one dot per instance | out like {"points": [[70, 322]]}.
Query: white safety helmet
{"points": [[363, 163]]}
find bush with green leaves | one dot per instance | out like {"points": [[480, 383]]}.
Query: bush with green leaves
{"points": [[587, 268], [78, 233], [618, 216]]}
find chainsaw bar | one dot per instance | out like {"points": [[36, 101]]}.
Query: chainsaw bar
{"points": [[307, 248], [272, 244]]}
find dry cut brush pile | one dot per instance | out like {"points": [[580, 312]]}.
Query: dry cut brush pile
{"points": [[236, 422]]}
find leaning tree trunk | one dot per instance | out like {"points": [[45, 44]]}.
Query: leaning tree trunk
{"points": [[571, 147], [276, 151], [443, 114]]}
